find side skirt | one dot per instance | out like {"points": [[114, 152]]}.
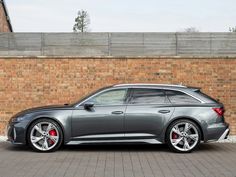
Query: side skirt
{"points": [[148, 141]]}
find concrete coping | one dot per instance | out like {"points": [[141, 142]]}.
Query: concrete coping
{"points": [[117, 57]]}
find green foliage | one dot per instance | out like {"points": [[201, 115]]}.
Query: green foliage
{"points": [[82, 22], [232, 29]]}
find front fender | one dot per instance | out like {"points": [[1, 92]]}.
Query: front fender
{"points": [[62, 117]]}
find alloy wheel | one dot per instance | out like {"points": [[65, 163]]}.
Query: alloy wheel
{"points": [[44, 136], [184, 136]]}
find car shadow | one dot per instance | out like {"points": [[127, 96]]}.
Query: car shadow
{"points": [[213, 147], [117, 147]]}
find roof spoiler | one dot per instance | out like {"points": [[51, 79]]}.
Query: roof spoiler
{"points": [[194, 88]]}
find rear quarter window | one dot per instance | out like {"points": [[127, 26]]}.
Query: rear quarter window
{"points": [[177, 97], [206, 96]]}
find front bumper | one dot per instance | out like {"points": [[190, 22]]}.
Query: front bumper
{"points": [[16, 132]]}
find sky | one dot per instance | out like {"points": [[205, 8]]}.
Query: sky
{"points": [[123, 15]]}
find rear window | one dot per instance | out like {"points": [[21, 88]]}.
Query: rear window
{"points": [[177, 97]]}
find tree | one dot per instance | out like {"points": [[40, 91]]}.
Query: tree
{"points": [[82, 22], [191, 30], [232, 29]]}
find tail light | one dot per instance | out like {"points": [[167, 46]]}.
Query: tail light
{"points": [[219, 111]]}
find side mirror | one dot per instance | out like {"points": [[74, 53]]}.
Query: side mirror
{"points": [[88, 105]]}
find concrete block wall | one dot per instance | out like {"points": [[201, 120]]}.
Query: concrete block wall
{"points": [[118, 44]]}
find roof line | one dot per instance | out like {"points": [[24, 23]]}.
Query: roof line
{"points": [[146, 84], [7, 15]]}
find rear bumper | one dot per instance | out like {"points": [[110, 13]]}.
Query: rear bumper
{"points": [[224, 135], [217, 132]]}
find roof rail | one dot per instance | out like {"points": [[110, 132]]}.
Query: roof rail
{"points": [[146, 84]]}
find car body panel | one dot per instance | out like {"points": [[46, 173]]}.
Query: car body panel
{"points": [[98, 120], [146, 119], [60, 114]]}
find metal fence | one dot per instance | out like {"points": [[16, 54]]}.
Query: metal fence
{"points": [[117, 44]]}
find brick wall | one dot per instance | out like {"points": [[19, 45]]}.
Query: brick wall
{"points": [[30, 82], [3, 21]]}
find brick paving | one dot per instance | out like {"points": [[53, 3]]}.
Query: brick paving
{"points": [[214, 159]]}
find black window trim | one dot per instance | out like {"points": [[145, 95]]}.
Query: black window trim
{"points": [[130, 93], [173, 89]]}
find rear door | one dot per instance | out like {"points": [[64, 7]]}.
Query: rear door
{"points": [[146, 113]]}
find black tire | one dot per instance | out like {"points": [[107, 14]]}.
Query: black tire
{"points": [[168, 136], [55, 124]]}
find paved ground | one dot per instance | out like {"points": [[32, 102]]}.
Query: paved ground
{"points": [[216, 159]]}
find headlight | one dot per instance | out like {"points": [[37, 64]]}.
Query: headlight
{"points": [[18, 119]]}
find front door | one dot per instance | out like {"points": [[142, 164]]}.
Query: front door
{"points": [[104, 120]]}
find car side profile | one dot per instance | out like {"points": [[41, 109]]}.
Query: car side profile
{"points": [[178, 115]]}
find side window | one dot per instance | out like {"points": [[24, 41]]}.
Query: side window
{"points": [[148, 96], [112, 97], [177, 97]]}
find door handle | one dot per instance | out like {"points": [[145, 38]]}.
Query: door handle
{"points": [[117, 112], [164, 111]]}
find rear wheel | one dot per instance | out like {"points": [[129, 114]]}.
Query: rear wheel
{"points": [[45, 135], [183, 136]]}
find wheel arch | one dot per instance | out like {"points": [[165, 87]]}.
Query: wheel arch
{"points": [[186, 118], [45, 117]]}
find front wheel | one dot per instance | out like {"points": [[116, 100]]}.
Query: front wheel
{"points": [[45, 135], [183, 136]]}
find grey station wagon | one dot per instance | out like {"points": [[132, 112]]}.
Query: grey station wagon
{"points": [[177, 115]]}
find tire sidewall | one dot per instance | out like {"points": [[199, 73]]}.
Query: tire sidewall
{"points": [[169, 131], [59, 143]]}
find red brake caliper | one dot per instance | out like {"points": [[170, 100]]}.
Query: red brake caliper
{"points": [[174, 135], [52, 133]]}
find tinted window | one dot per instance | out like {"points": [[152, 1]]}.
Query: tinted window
{"points": [[177, 97], [112, 97], [148, 96]]}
